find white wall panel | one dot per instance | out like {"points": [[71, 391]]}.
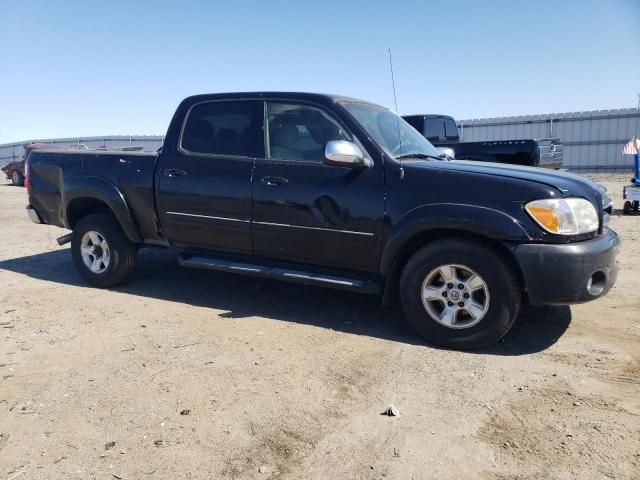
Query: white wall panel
{"points": [[593, 140]]}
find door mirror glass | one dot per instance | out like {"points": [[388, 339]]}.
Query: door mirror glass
{"points": [[342, 152]]}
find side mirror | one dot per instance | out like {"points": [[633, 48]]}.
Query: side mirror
{"points": [[449, 152], [341, 152]]}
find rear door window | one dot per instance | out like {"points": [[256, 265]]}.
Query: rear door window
{"points": [[228, 128], [450, 129], [433, 128]]}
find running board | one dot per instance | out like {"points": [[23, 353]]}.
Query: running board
{"points": [[279, 273]]}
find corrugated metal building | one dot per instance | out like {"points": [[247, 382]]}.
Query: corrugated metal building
{"points": [[592, 140], [12, 151]]}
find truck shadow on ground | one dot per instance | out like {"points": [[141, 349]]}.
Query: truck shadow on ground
{"points": [[159, 276]]}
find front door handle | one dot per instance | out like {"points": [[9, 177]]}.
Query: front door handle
{"points": [[174, 172], [274, 181]]}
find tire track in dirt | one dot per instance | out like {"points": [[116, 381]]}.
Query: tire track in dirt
{"points": [[284, 445], [549, 432], [603, 366]]}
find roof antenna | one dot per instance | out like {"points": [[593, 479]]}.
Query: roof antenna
{"points": [[395, 101], [393, 82]]}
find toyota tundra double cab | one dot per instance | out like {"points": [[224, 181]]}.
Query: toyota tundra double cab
{"points": [[336, 192]]}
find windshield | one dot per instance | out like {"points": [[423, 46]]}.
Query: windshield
{"points": [[393, 134]]}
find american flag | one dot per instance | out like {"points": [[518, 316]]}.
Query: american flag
{"points": [[632, 147]]}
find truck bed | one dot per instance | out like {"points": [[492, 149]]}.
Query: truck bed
{"points": [[53, 174], [545, 153]]}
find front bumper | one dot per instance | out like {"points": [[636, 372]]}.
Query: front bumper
{"points": [[569, 273]]}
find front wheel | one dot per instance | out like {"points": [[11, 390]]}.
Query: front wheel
{"points": [[17, 179], [101, 252], [460, 293]]}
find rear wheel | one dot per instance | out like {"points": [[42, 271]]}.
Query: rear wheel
{"points": [[17, 178], [460, 293], [101, 252]]}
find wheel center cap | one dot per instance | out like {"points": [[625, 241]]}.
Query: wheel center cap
{"points": [[455, 296]]}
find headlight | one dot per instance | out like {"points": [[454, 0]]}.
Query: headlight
{"points": [[564, 216]]}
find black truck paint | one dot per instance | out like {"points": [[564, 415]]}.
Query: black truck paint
{"points": [[442, 131], [304, 219]]}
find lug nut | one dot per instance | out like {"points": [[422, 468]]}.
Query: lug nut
{"points": [[450, 304], [444, 294], [465, 295], [461, 304], [449, 285], [460, 286]]}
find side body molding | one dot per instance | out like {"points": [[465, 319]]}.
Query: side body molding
{"points": [[474, 219], [98, 188]]}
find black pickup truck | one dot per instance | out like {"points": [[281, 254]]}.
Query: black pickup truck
{"points": [[337, 192], [442, 132]]}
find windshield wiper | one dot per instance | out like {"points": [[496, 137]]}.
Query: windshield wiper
{"points": [[421, 155]]}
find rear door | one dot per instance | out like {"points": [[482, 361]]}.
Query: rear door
{"points": [[204, 187], [306, 211]]}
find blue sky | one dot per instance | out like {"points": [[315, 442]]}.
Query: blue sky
{"points": [[77, 68]]}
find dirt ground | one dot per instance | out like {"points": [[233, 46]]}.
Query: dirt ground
{"points": [[189, 374]]}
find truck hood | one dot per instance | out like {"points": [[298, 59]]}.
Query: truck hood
{"points": [[567, 183]]}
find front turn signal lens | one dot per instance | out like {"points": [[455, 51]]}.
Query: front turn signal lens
{"points": [[545, 216]]}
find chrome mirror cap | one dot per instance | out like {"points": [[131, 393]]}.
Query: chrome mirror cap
{"points": [[344, 153], [449, 152]]}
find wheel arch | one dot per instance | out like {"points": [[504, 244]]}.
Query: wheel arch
{"points": [[86, 195], [401, 246]]}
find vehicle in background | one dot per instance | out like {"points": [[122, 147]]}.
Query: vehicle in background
{"points": [[337, 192], [127, 148], [442, 132], [15, 170]]}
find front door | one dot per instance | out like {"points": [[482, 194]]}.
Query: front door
{"points": [[306, 211], [204, 188]]}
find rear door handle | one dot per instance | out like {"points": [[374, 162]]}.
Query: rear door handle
{"points": [[274, 181], [174, 172]]}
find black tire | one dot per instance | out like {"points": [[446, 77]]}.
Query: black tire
{"points": [[17, 178], [505, 292], [122, 253], [627, 208]]}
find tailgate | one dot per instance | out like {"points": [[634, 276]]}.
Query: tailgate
{"points": [[550, 151]]}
